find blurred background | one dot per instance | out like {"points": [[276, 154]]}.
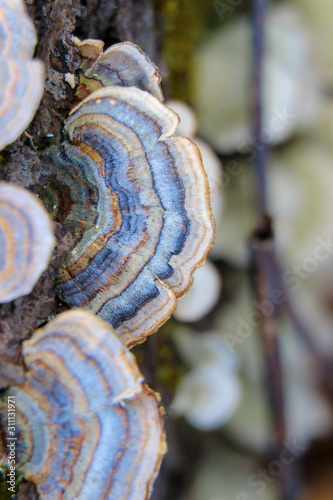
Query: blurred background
{"points": [[245, 366]]}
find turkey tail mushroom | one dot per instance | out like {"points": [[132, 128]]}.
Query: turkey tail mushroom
{"points": [[123, 65], [86, 425], [142, 199]]}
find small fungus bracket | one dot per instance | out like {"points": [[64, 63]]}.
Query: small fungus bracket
{"points": [[123, 65]]}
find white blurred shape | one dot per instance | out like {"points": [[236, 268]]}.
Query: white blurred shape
{"points": [[223, 82], [207, 396], [202, 296], [188, 122]]}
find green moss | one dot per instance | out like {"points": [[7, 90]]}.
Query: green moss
{"points": [[48, 196], [4, 493], [165, 366], [184, 23]]}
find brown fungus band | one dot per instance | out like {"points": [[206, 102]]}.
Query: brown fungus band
{"points": [[86, 425], [21, 78], [137, 203], [26, 241]]}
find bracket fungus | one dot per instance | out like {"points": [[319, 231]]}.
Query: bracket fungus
{"points": [[21, 78], [137, 204], [26, 241], [123, 64], [87, 426]]}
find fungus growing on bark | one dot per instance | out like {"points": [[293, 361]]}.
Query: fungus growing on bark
{"points": [[123, 65], [26, 241], [138, 208], [86, 425], [21, 78]]}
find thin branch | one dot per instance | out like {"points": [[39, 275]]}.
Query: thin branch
{"points": [[263, 248], [259, 17], [263, 237], [263, 253]]}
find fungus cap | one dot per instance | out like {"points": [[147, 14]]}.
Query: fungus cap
{"points": [[86, 424], [142, 199], [123, 65]]}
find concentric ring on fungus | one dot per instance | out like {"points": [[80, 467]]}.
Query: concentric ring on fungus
{"points": [[86, 425], [139, 210]]}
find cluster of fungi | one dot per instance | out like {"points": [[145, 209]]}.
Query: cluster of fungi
{"points": [[137, 206]]}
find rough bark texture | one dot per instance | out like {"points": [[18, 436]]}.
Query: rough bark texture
{"points": [[27, 492]]}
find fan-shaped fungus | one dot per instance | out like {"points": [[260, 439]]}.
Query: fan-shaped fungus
{"points": [[21, 78], [123, 65], [139, 209], [87, 427], [26, 241]]}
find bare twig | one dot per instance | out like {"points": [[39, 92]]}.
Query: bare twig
{"points": [[263, 247], [263, 254], [259, 16], [263, 237]]}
